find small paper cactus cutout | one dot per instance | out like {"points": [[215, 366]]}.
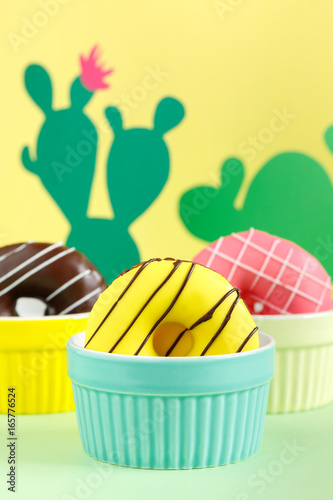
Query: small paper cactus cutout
{"points": [[137, 168], [138, 164], [291, 197], [92, 74]]}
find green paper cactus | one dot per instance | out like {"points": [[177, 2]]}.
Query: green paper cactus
{"points": [[291, 197], [138, 164], [137, 168], [67, 142]]}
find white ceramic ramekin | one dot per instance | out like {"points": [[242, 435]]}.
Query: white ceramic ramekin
{"points": [[170, 413], [303, 376]]}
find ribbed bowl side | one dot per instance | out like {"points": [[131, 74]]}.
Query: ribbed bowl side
{"points": [[303, 379], [166, 432], [40, 380]]}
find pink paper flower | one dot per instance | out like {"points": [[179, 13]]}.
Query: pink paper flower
{"points": [[92, 73]]}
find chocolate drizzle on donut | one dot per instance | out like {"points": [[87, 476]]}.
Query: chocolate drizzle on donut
{"points": [[139, 271], [224, 323], [250, 335], [176, 265], [206, 317], [188, 275]]}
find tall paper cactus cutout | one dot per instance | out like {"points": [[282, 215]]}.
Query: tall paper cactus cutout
{"points": [[137, 168], [67, 142], [291, 197]]}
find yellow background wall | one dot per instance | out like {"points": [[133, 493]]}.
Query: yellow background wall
{"points": [[231, 63]]}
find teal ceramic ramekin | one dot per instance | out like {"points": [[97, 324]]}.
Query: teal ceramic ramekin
{"points": [[170, 413]]}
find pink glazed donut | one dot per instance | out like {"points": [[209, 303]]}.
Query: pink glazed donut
{"points": [[274, 276]]}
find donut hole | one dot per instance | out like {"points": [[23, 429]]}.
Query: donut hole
{"points": [[166, 336], [28, 307]]}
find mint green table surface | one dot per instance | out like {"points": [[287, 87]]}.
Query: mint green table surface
{"points": [[295, 461]]}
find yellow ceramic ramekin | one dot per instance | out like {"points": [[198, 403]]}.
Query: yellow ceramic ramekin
{"points": [[303, 377], [33, 361]]}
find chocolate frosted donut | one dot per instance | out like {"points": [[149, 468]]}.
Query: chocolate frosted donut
{"points": [[61, 277]]}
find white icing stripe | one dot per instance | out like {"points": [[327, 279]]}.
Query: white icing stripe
{"points": [[36, 269], [240, 255], [266, 261], [281, 260], [81, 301], [67, 284], [267, 303], [322, 296], [16, 250], [28, 261], [277, 281], [263, 275], [296, 288]]}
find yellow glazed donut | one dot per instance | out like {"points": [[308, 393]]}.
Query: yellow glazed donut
{"points": [[168, 307]]}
